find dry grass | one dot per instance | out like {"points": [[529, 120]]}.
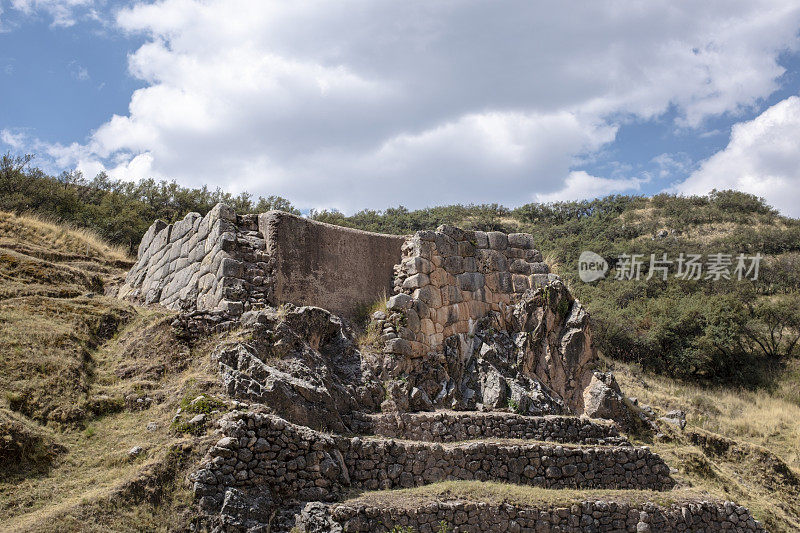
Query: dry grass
{"points": [[46, 352], [95, 485], [36, 231], [74, 366], [758, 417], [738, 444], [521, 495]]}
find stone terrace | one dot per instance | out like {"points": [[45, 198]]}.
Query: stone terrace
{"points": [[297, 462], [605, 512], [298, 465], [452, 426]]}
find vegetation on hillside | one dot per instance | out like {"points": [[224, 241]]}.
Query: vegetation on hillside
{"points": [[118, 211], [737, 331]]}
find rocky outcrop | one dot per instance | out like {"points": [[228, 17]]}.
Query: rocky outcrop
{"points": [[302, 363], [603, 399], [555, 342], [534, 357]]}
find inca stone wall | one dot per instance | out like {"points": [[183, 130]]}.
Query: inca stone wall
{"points": [[597, 515], [298, 463], [447, 279], [452, 426], [233, 263], [336, 268], [450, 278], [212, 262]]}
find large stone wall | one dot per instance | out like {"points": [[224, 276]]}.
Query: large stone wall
{"points": [[450, 278], [212, 262], [235, 263], [336, 268], [452, 426], [294, 462], [595, 515]]}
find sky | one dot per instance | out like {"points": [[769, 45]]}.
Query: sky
{"points": [[355, 104]]}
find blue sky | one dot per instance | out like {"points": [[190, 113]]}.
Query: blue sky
{"points": [[370, 104]]}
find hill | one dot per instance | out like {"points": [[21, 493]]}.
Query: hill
{"points": [[81, 388], [85, 376]]}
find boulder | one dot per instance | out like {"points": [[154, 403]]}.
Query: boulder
{"points": [[246, 511], [604, 399]]}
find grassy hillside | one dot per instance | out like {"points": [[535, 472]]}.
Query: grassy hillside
{"points": [[80, 384]]}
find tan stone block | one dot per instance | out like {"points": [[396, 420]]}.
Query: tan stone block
{"points": [[488, 295], [430, 295], [477, 309], [450, 295], [427, 327], [416, 281], [493, 281], [439, 327], [417, 265], [447, 315], [462, 326], [520, 282], [438, 277], [462, 311]]}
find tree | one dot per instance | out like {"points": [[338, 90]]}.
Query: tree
{"points": [[774, 326]]}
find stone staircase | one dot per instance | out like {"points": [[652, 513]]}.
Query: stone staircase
{"points": [[393, 471]]}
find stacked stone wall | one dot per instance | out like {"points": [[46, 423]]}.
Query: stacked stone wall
{"points": [[452, 426], [216, 262], [387, 464], [450, 278], [466, 516], [229, 263], [298, 463]]}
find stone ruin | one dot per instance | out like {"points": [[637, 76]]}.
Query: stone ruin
{"points": [[473, 365]]}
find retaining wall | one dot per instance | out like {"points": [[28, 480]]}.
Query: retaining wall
{"points": [[466, 516], [205, 263], [297, 463], [234, 263], [451, 426], [451, 278]]}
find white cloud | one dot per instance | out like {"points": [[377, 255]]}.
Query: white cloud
{"points": [[64, 13], [673, 165], [16, 141], [762, 158], [580, 185], [369, 103]]}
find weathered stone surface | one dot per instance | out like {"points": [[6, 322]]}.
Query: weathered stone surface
{"points": [[216, 262], [336, 268], [603, 399], [462, 515], [303, 364]]}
